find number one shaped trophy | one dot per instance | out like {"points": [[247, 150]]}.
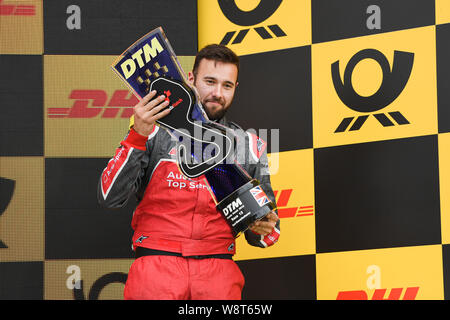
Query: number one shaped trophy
{"points": [[151, 64]]}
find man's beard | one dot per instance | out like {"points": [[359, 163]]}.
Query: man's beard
{"points": [[216, 114]]}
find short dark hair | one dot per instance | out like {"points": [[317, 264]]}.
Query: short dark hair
{"points": [[216, 52]]}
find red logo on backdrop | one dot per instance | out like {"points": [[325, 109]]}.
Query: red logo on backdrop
{"points": [[291, 212], [92, 103], [379, 294], [16, 10]]}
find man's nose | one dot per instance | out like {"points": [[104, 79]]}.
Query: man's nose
{"points": [[218, 91]]}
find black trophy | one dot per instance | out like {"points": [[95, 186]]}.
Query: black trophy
{"points": [[151, 64]]}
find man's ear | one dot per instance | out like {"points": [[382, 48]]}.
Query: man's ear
{"points": [[191, 78]]}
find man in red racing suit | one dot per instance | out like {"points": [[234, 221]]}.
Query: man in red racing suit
{"points": [[183, 243]]}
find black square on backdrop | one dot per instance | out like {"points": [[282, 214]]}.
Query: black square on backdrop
{"points": [[446, 267], [21, 101], [22, 280], [285, 278], [333, 20], [76, 226], [377, 195], [111, 26], [274, 92], [443, 76]]}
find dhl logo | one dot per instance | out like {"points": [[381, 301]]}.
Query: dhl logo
{"points": [[19, 10], [91, 103], [379, 294], [290, 212]]}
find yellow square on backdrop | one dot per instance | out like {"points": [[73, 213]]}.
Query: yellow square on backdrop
{"points": [[102, 279], [442, 11], [87, 107], [22, 222], [412, 271], [292, 179], [374, 88], [21, 27], [252, 26], [444, 184]]}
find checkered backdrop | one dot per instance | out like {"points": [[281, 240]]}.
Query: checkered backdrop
{"points": [[360, 93]]}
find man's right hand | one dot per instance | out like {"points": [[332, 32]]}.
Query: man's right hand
{"points": [[146, 112]]}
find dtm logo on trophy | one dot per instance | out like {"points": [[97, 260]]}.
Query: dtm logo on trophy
{"points": [[262, 12], [142, 57], [393, 82]]}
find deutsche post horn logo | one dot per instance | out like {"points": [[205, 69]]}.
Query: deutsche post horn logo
{"points": [[7, 186], [99, 285], [262, 12], [393, 83]]}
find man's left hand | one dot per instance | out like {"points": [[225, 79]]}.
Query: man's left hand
{"points": [[265, 225]]}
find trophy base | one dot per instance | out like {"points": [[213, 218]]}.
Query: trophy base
{"points": [[245, 205]]}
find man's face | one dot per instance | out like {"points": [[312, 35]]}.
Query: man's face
{"points": [[216, 83]]}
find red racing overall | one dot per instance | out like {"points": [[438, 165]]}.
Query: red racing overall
{"points": [[184, 244]]}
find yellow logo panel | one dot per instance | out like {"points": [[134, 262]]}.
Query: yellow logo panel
{"points": [[87, 107], [442, 11], [374, 88], [408, 273], [252, 26], [21, 27], [444, 184], [86, 279], [293, 184], [22, 209]]}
